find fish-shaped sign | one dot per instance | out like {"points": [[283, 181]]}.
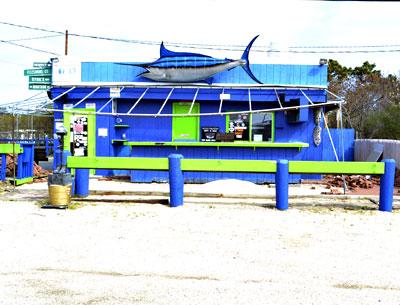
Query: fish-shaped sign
{"points": [[184, 67]]}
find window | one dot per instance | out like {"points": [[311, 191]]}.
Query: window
{"points": [[238, 124], [262, 126], [257, 127]]}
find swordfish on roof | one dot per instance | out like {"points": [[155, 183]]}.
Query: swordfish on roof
{"points": [[184, 67]]}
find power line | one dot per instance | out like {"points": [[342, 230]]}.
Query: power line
{"points": [[264, 49], [35, 38], [30, 27], [347, 47], [27, 47], [337, 51]]}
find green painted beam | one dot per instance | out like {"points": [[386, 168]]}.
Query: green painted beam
{"points": [[214, 165], [118, 163], [328, 167], [223, 144], [7, 148], [23, 181], [222, 165]]}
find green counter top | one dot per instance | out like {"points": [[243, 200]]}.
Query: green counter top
{"points": [[298, 145]]}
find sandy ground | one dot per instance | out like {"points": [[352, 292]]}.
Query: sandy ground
{"points": [[197, 254]]}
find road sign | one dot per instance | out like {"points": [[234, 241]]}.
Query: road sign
{"points": [[42, 65], [40, 79], [39, 87], [45, 72]]}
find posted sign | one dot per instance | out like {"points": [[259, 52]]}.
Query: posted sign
{"points": [[40, 78]]}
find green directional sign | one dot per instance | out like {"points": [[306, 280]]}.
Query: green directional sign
{"points": [[39, 87], [40, 79], [42, 65], [45, 72]]}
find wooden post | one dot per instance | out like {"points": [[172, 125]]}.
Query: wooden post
{"points": [[282, 185], [66, 42], [175, 180], [387, 186]]}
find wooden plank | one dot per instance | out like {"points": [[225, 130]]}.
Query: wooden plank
{"points": [[328, 167], [7, 148], [222, 165], [214, 165], [118, 163], [223, 144]]}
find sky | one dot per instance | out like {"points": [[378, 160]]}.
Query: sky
{"points": [[281, 24]]}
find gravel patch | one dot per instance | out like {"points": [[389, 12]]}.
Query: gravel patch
{"points": [[197, 254]]}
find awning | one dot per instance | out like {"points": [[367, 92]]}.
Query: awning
{"points": [[311, 96], [278, 97]]}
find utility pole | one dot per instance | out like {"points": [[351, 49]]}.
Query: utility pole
{"points": [[66, 42]]}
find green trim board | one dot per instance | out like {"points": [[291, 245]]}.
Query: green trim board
{"points": [[329, 167], [298, 145], [118, 163], [121, 125], [256, 166], [118, 141], [224, 165], [7, 148], [215, 165], [91, 130], [23, 181]]}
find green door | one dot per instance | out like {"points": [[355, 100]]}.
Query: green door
{"points": [[185, 128]]}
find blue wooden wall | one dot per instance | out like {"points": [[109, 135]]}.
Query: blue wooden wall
{"points": [[266, 73]]}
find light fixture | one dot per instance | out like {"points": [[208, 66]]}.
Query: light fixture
{"points": [[323, 61]]}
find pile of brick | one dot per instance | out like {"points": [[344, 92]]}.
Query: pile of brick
{"points": [[38, 171], [10, 166], [353, 181]]}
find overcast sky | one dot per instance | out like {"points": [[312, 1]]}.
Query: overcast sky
{"points": [[281, 24]]}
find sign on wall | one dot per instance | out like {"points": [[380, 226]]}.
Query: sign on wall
{"points": [[66, 71]]}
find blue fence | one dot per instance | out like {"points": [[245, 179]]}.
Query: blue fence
{"points": [[25, 161], [343, 140]]}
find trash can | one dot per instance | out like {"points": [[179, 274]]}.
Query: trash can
{"points": [[60, 186]]}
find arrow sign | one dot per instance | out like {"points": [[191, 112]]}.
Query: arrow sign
{"points": [[42, 65], [46, 72], [40, 79], [39, 87]]}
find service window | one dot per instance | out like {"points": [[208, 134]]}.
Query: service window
{"points": [[262, 126], [257, 127]]}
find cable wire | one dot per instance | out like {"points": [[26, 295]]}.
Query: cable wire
{"points": [[35, 38], [264, 49], [29, 48]]}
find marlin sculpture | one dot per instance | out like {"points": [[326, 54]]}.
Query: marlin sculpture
{"points": [[184, 67]]}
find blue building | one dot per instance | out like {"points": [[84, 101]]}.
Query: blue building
{"points": [[110, 111]]}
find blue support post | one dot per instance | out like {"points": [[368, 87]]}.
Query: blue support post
{"points": [[282, 185], [82, 182], [387, 186], [46, 143], [175, 180], [65, 155], [3, 167], [20, 167]]}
